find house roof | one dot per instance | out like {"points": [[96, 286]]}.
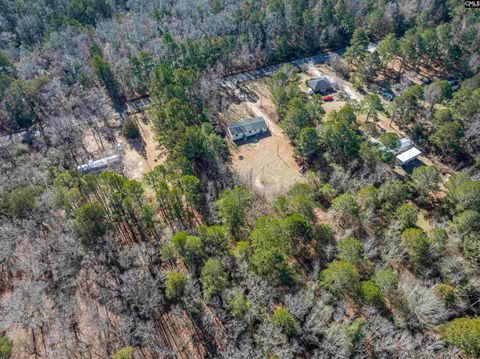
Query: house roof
{"points": [[251, 124], [409, 155], [319, 84]]}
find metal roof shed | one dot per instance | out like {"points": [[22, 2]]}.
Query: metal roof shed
{"points": [[408, 156]]}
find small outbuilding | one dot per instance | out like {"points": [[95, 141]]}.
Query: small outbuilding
{"points": [[408, 156], [320, 86], [98, 165], [371, 47], [405, 144], [247, 128]]}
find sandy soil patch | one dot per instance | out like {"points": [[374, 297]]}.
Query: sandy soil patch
{"points": [[140, 157], [423, 222], [265, 164]]}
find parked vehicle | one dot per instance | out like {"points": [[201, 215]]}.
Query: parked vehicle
{"points": [[454, 84], [388, 96], [310, 91], [328, 98], [380, 128], [426, 81]]}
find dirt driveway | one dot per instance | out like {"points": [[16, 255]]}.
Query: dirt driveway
{"points": [[386, 123]]}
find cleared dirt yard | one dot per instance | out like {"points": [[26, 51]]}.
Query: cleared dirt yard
{"points": [[142, 156], [138, 157], [267, 165]]}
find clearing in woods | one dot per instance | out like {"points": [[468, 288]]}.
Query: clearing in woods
{"points": [[266, 163], [141, 156], [138, 156]]}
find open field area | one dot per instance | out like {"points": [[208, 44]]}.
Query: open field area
{"points": [[264, 163], [137, 156]]}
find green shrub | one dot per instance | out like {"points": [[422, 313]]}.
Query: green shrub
{"points": [[367, 197], [324, 233], [213, 278], [350, 250], [346, 208], [327, 193], [272, 264], [240, 306], [124, 353], [439, 238], [371, 294], [391, 194], [465, 334], [178, 241], [90, 222], [442, 116], [406, 215], [6, 347], [466, 222], [386, 280], [188, 247], [21, 201], [193, 249], [130, 129], [471, 246], [174, 285], [340, 278], [353, 332], [416, 243], [426, 179], [445, 292], [242, 249], [282, 319]]}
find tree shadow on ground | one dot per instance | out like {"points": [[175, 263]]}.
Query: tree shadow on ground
{"points": [[139, 145], [409, 167]]}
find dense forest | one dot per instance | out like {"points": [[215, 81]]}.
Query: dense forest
{"points": [[190, 261]]}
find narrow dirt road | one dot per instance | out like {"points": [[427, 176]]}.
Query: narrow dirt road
{"points": [[386, 123]]}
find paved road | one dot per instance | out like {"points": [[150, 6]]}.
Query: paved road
{"points": [[233, 80]]}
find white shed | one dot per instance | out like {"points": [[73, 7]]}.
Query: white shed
{"points": [[98, 165], [408, 156], [405, 144], [371, 47]]}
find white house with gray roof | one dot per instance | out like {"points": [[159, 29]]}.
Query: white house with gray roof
{"points": [[247, 128]]}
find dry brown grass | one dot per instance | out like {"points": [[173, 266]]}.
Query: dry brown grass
{"points": [[268, 165]]}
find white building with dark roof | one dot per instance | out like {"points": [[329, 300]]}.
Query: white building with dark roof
{"points": [[247, 128]]}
